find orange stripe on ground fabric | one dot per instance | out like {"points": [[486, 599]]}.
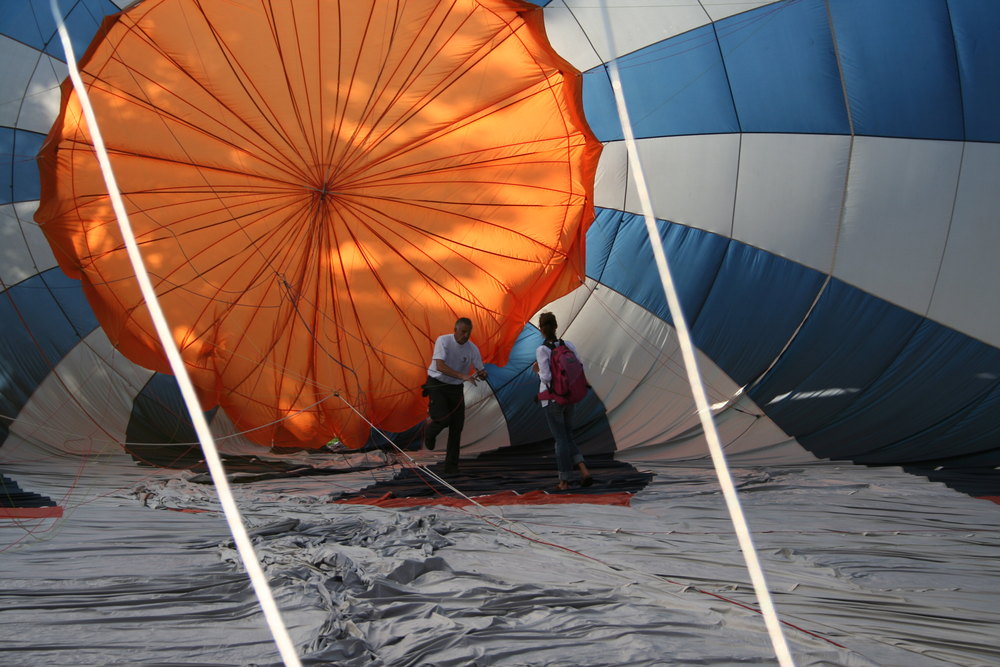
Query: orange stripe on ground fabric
{"points": [[30, 512]]}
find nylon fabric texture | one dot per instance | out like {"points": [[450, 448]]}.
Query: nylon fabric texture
{"points": [[310, 226]]}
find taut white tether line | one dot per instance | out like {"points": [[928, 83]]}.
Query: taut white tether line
{"points": [[691, 364], [254, 570]]}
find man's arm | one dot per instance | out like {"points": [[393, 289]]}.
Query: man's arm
{"points": [[445, 369], [477, 365]]}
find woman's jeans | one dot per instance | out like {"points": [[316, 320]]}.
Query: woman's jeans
{"points": [[560, 419]]}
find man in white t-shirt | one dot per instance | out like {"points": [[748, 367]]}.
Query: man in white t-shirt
{"points": [[456, 360]]}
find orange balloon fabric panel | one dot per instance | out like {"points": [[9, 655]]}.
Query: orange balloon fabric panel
{"points": [[319, 190]]}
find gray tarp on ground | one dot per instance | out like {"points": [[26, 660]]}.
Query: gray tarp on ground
{"points": [[894, 569]]}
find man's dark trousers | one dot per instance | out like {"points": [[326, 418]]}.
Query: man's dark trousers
{"points": [[447, 410]]}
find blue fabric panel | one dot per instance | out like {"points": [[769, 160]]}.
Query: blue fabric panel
{"points": [[31, 22], [756, 302], [976, 26], [783, 69], [868, 381], [922, 405], [674, 87], [411, 439], [159, 414], [43, 318], [984, 481], [971, 440], [847, 342], [967, 437], [899, 65], [601, 238], [694, 256], [897, 59], [599, 105], [18, 170], [160, 417], [12, 495]]}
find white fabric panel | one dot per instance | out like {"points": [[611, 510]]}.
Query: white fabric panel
{"points": [[23, 249], [638, 371], [691, 179], [900, 193], [30, 80], [611, 176], [85, 402], [576, 27], [745, 432], [790, 193], [230, 441], [966, 294], [625, 347], [780, 452], [485, 425]]}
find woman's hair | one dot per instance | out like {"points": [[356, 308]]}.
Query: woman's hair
{"points": [[547, 323]]}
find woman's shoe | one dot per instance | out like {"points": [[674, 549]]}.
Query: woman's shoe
{"points": [[587, 481]]}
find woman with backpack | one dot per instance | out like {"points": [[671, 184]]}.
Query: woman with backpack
{"points": [[562, 385]]}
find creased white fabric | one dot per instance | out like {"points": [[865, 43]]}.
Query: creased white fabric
{"points": [[895, 569]]}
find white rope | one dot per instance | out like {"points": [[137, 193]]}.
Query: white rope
{"points": [[691, 364], [231, 511]]}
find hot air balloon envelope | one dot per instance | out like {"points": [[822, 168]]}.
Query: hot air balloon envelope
{"points": [[319, 191]]}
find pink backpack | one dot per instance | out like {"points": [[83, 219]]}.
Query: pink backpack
{"points": [[569, 384]]}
